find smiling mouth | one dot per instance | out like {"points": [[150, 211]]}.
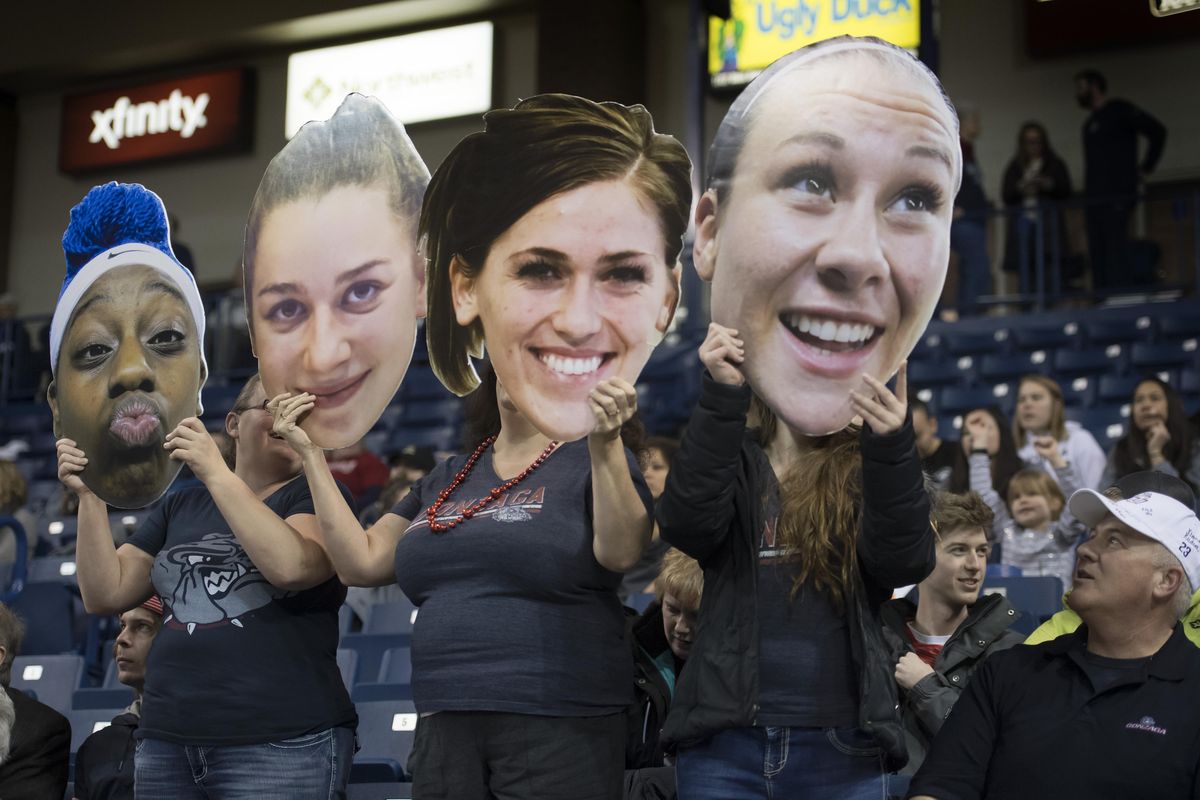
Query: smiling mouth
{"points": [[337, 394], [829, 336], [576, 366]]}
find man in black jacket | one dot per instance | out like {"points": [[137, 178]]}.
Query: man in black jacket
{"points": [[104, 764], [39, 752], [940, 641]]}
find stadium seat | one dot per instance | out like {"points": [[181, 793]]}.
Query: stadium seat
{"points": [[421, 384], [49, 613], [1117, 388], [86, 721], [924, 374], [1094, 361], [385, 731], [1106, 423], [1036, 597], [640, 602], [1004, 368], [347, 661], [53, 678], [958, 400], [370, 648], [100, 697], [1003, 571], [973, 344], [394, 680], [1045, 337], [1182, 326], [53, 569], [1189, 382], [394, 617], [1106, 332], [1145, 356], [1078, 392], [415, 413]]}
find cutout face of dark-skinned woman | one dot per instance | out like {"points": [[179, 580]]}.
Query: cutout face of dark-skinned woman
{"points": [[128, 372], [828, 249], [336, 291], [576, 291]]}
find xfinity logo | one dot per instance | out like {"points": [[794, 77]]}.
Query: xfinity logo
{"points": [[127, 120]]}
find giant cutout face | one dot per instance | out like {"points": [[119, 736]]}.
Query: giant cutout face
{"points": [[553, 240], [126, 345], [334, 283], [826, 235]]}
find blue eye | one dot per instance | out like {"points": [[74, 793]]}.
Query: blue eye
{"points": [[286, 311], [362, 293]]}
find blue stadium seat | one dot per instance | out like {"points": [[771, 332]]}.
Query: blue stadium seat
{"points": [[928, 348], [432, 413], [1181, 326], [421, 384], [1117, 388], [1145, 356], [640, 602], [49, 613], [394, 681], [394, 617], [1003, 571], [1189, 381], [86, 721], [1003, 368], [1078, 392], [1095, 361], [1045, 337], [959, 400], [923, 374], [347, 661], [439, 438], [26, 418], [385, 731], [54, 678], [1106, 332], [370, 648], [53, 569], [100, 697], [381, 791], [1036, 597], [975, 343], [1106, 423]]}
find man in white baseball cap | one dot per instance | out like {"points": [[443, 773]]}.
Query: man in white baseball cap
{"points": [[1108, 710]]}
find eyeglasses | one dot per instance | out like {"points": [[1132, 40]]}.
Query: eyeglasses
{"points": [[261, 407]]}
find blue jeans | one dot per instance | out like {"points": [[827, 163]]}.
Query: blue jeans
{"points": [[968, 238], [312, 767], [783, 764]]}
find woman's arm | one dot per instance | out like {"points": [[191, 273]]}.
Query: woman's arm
{"points": [[621, 524], [360, 560], [288, 552], [111, 580]]}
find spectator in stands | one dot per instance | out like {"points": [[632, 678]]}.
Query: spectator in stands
{"points": [[243, 674], [986, 431], [1040, 414], [662, 640], [14, 493], [413, 463], [104, 764], [656, 463], [125, 344], [937, 455], [333, 281], [1107, 711], [360, 470], [181, 250], [1160, 437], [1036, 530], [557, 228], [1135, 483], [1036, 181], [968, 234], [810, 167], [17, 357], [38, 741], [1112, 174], [941, 640]]}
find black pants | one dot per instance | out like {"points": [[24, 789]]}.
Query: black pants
{"points": [[481, 755], [1108, 243]]}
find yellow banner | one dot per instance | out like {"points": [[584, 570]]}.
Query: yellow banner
{"points": [[760, 31]]}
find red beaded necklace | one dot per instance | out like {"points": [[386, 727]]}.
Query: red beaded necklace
{"points": [[470, 511]]}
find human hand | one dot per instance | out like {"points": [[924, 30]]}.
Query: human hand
{"points": [[980, 433], [192, 444], [287, 409], [613, 403], [882, 409], [1047, 447], [71, 462], [1157, 437], [910, 669], [721, 353]]}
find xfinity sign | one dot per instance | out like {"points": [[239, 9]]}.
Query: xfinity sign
{"points": [[187, 116], [420, 76]]}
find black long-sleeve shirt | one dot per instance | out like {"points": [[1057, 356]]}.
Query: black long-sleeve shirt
{"points": [[1110, 147]]}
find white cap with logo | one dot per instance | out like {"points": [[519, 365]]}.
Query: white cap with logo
{"points": [[1164, 519]]}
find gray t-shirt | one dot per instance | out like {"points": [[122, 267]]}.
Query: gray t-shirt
{"points": [[515, 613]]}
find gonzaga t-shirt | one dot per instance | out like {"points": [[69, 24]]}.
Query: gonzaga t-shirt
{"points": [[515, 613], [237, 661]]}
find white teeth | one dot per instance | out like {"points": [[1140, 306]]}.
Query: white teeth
{"points": [[829, 330], [571, 366]]}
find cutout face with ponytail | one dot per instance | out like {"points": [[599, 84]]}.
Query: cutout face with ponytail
{"points": [[552, 239]]}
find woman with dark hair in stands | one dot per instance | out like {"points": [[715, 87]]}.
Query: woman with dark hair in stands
{"points": [[1041, 426], [986, 432], [553, 238], [1160, 437], [1034, 180], [243, 697]]}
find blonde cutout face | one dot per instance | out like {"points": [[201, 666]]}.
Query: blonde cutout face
{"points": [[830, 248], [337, 289], [576, 291]]}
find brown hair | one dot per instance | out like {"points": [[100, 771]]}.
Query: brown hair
{"points": [[13, 489], [1058, 420], [543, 146], [819, 502], [362, 144], [953, 512], [1036, 481], [225, 443], [682, 578], [12, 632]]}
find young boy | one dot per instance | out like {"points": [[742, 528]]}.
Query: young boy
{"points": [[940, 641]]}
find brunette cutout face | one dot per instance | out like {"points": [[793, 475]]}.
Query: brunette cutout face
{"points": [[128, 372]]}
